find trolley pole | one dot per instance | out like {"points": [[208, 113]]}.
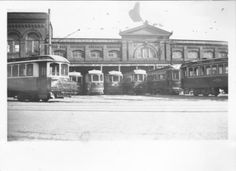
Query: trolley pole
{"points": [[49, 34]]}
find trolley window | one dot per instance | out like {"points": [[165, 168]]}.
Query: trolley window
{"points": [[115, 78], [29, 70], [214, 70], [101, 78], [191, 72], [202, 70], [73, 78], [196, 71], [226, 68], [208, 70], [15, 71], [220, 69], [54, 69], [162, 76], [9, 70], [64, 69], [110, 78], [95, 77], [175, 75], [22, 69]]}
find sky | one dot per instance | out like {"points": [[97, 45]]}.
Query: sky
{"points": [[207, 20]]}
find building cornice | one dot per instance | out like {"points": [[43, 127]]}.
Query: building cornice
{"points": [[26, 25]]}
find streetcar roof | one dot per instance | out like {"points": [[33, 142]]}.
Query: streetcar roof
{"points": [[115, 73], [95, 71], [204, 61], [74, 73], [53, 58], [140, 71], [176, 66]]}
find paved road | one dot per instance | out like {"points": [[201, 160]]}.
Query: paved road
{"points": [[119, 118]]}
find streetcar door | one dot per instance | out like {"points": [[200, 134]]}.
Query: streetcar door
{"points": [[42, 69], [42, 81]]}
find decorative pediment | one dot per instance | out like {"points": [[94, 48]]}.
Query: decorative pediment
{"points": [[146, 30]]}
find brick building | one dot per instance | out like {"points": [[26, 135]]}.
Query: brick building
{"points": [[144, 47]]}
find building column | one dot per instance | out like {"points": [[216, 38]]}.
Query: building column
{"points": [[124, 51], [119, 68], [101, 67]]}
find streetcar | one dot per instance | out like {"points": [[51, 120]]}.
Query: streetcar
{"points": [[164, 80], [78, 78], [134, 82], [206, 76], [94, 82], [39, 78], [112, 82]]}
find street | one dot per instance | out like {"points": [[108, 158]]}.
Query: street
{"points": [[119, 117]]}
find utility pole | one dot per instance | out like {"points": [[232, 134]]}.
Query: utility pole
{"points": [[49, 34]]}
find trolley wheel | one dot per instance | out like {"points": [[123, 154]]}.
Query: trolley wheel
{"points": [[215, 92], [195, 93], [45, 100], [21, 97]]}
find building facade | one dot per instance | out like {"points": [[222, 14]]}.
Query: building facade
{"points": [[144, 47], [27, 34]]}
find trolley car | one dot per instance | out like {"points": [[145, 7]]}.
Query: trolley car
{"points": [[78, 78], [39, 78], [112, 83], [134, 82], [205, 77], [94, 82], [165, 80]]}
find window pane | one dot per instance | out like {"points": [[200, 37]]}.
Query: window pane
{"points": [[177, 55], [208, 54], [77, 54], [29, 71], [208, 70], [54, 69], [175, 75], [196, 71], [15, 70], [115, 78], [22, 69], [202, 70], [95, 78], [110, 78], [191, 72], [192, 55], [64, 69], [220, 68], [141, 77], [135, 77], [226, 69], [214, 70], [9, 70]]}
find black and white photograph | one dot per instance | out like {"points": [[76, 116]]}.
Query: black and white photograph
{"points": [[129, 71]]}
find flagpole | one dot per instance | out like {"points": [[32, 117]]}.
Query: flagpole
{"points": [[49, 34]]}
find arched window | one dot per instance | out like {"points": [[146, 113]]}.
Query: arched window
{"points": [[60, 53], [96, 54], [177, 55], [13, 47], [32, 44], [193, 55], [208, 55], [113, 54], [145, 52], [222, 55], [78, 54]]}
